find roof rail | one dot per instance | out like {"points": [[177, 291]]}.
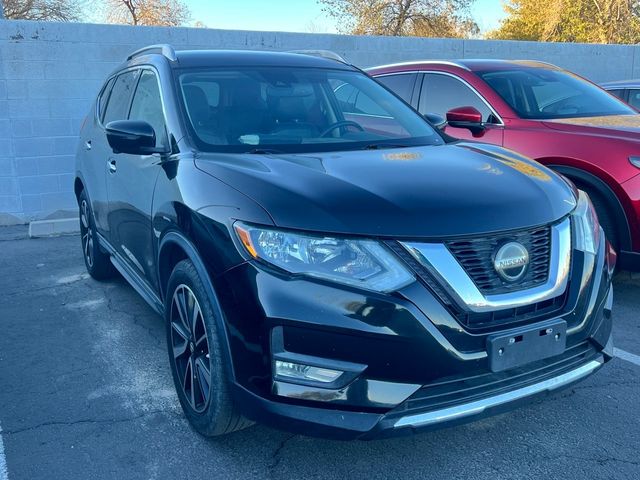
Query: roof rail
{"points": [[451, 63], [163, 49], [328, 54]]}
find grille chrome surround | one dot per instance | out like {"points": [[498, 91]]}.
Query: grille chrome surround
{"points": [[476, 257], [448, 272]]}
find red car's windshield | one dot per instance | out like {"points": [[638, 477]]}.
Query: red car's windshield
{"points": [[539, 93]]}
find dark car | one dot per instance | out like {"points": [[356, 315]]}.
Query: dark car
{"points": [[331, 273], [626, 90], [546, 113]]}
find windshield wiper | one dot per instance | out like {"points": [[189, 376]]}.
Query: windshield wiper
{"points": [[264, 151], [380, 146]]}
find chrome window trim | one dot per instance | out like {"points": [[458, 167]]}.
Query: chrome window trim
{"points": [[472, 88], [441, 263], [140, 69], [115, 77], [479, 406]]}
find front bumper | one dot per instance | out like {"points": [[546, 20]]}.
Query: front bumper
{"points": [[348, 425], [443, 404], [423, 369]]}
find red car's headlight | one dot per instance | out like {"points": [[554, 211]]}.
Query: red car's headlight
{"points": [[586, 225]]}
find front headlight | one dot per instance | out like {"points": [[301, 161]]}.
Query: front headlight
{"points": [[586, 225], [362, 263]]}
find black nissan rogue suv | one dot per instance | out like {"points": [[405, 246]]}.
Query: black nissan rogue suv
{"points": [[326, 261]]}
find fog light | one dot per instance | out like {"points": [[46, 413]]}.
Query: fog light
{"points": [[299, 371]]}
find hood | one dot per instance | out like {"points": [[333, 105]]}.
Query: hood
{"points": [[621, 126], [422, 192]]}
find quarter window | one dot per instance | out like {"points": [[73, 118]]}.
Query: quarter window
{"points": [[147, 105], [120, 95], [402, 84], [441, 93]]}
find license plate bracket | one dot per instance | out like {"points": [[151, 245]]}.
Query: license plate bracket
{"points": [[526, 345]]}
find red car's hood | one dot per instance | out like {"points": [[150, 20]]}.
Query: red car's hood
{"points": [[624, 126]]}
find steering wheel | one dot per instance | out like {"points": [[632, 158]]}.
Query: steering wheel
{"points": [[341, 123]]}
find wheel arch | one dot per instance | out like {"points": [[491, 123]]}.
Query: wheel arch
{"points": [[587, 180], [175, 247], [78, 187]]}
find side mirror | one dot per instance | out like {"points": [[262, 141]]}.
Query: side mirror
{"points": [[466, 117], [436, 120], [132, 136]]}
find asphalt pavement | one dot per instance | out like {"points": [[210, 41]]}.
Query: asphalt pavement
{"points": [[86, 393]]}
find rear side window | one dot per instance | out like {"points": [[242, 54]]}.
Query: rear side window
{"points": [[401, 84], [441, 93], [634, 98], [118, 105], [104, 97], [346, 95], [147, 105]]}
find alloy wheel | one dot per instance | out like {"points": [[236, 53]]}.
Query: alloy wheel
{"points": [[86, 232], [190, 348]]}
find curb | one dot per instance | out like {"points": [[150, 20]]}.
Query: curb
{"points": [[49, 228]]}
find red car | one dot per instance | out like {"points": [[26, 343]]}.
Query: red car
{"points": [[545, 113]]}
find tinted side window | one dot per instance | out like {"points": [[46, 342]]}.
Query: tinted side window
{"points": [[103, 98], [364, 105], [147, 105], [634, 98], [441, 93], [118, 105], [352, 100], [402, 84]]}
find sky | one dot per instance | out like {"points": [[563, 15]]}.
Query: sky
{"points": [[299, 15]]}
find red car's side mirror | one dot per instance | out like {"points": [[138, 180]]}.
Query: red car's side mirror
{"points": [[466, 117]]}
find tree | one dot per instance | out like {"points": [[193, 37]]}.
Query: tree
{"points": [[54, 10], [588, 21], [166, 13], [425, 18]]}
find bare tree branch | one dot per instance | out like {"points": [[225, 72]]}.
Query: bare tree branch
{"points": [[167, 13], [54, 10], [428, 18]]}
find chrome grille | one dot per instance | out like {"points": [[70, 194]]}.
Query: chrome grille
{"points": [[476, 256]]}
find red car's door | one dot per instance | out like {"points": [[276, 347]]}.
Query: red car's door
{"points": [[443, 91]]}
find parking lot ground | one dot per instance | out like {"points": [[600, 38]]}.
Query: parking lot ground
{"points": [[86, 393]]}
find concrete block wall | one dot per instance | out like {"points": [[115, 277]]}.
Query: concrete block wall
{"points": [[50, 72]]}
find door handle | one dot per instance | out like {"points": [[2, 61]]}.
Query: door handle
{"points": [[112, 166], [87, 145]]}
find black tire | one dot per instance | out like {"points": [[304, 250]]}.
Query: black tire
{"points": [[195, 346], [606, 218], [97, 262]]}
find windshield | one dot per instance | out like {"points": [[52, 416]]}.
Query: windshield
{"points": [[547, 94], [277, 109]]}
